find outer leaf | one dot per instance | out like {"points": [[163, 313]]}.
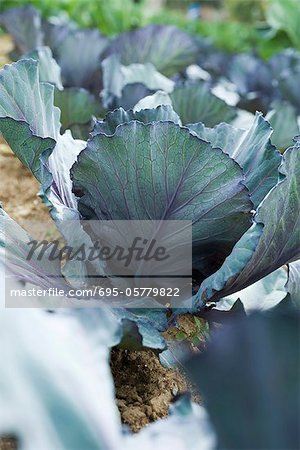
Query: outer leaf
{"points": [[145, 323], [131, 95], [293, 284], [288, 84], [264, 294], [24, 25], [28, 104], [59, 164], [55, 30], [168, 174], [113, 119], [279, 214], [51, 380], [14, 250], [252, 76], [116, 76], [260, 83], [77, 107], [30, 124], [195, 103], [283, 119], [142, 327], [28, 118], [78, 55], [166, 47], [76, 346], [147, 74], [49, 70], [252, 149], [153, 101], [252, 363]]}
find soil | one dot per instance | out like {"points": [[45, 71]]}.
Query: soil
{"points": [[8, 443], [144, 389], [18, 189]]}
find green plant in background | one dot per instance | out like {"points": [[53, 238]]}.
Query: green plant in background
{"points": [[238, 33], [227, 35], [284, 15], [110, 17], [246, 10]]}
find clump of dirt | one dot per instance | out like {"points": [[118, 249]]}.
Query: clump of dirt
{"points": [[8, 443], [144, 388]]}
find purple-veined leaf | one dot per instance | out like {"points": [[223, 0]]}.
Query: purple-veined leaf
{"points": [[194, 102], [160, 171], [78, 55], [30, 124], [166, 47], [109, 124], [252, 149], [270, 243], [24, 25]]}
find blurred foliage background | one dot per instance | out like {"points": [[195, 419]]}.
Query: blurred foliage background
{"points": [[267, 26]]}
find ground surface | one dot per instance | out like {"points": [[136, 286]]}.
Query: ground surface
{"points": [[8, 443]]}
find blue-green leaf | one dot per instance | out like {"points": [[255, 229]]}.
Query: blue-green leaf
{"points": [[24, 25], [78, 55], [264, 294], [160, 171], [253, 367], [194, 102], [252, 149], [28, 120], [166, 47], [277, 231], [153, 101], [119, 116], [283, 119], [77, 107], [293, 284], [49, 70], [56, 386], [117, 76]]}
